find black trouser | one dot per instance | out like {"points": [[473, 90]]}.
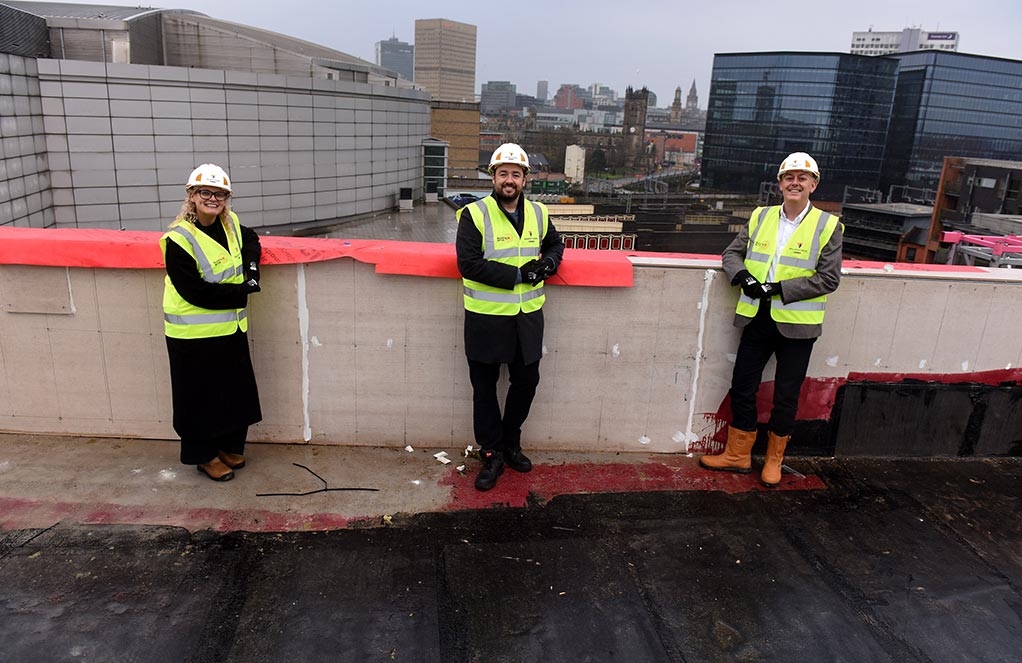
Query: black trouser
{"points": [[760, 339], [492, 431], [202, 449]]}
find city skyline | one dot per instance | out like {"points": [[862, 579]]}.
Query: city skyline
{"points": [[661, 54]]}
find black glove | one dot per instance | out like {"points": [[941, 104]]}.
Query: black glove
{"points": [[546, 267], [253, 271], [750, 286], [740, 276], [250, 286], [532, 273], [770, 289]]}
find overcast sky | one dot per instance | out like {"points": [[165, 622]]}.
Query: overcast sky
{"points": [[661, 44]]}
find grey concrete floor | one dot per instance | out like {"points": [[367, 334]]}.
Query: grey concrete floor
{"points": [[110, 551], [432, 222]]}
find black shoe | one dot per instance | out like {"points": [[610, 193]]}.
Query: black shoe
{"points": [[517, 461], [493, 467]]}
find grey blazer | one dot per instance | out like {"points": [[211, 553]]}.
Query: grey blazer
{"points": [[823, 282]]}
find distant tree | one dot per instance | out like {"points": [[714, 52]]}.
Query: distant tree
{"points": [[597, 161]]}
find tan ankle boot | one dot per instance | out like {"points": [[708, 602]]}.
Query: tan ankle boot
{"points": [[233, 461], [737, 456], [774, 459], [216, 470]]}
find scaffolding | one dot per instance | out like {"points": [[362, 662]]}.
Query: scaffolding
{"points": [[911, 194], [996, 250], [854, 194]]}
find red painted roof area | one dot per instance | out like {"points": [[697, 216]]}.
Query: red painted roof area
{"points": [[543, 483]]}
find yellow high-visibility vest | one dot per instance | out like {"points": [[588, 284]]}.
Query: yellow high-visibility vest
{"points": [[502, 244], [798, 258], [216, 265]]}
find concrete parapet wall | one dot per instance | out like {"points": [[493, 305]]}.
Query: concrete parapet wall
{"points": [[344, 355]]}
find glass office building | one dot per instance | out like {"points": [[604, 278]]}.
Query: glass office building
{"points": [[951, 104], [763, 106]]}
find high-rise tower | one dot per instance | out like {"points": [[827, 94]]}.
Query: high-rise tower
{"points": [[445, 58], [397, 56], [542, 92]]}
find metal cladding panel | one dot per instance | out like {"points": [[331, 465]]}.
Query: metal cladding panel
{"points": [[23, 34], [146, 35]]}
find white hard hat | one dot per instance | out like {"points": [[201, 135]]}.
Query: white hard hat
{"points": [[799, 161], [509, 153], [209, 174]]}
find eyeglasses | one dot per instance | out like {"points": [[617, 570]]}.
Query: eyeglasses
{"points": [[206, 194]]}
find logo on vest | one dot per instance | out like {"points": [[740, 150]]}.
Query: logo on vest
{"points": [[503, 238]]}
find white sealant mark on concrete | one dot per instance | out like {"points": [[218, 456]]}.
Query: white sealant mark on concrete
{"points": [[316, 343], [616, 350], [390, 344], [704, 301], [409, 448], [544, 349], [888, 268], [134, 471], [644, 440], [70, 293], [965, 366], [5, 466], [879, 360], [303, 329], [168, 475], [832, 361], [1008, 367], [922, 364], [732, 357], [416, 482], [678, 436]]}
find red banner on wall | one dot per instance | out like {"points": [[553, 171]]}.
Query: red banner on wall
{"points": [[125, 249]]}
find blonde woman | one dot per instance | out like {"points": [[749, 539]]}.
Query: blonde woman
{"points": [[212, 266]]}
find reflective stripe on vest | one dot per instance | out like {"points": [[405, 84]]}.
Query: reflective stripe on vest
{"points": [[752, 255], [205, 318], [821, 226], [503, 298], [490, 252], [206, 269], [182, 319], [501, 243]]}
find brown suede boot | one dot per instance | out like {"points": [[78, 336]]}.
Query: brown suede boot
{"points": [[233, 461], [216, 470], [737, 456], [774, 458]]}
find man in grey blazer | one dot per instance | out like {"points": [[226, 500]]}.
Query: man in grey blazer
{"points": [[786, 260]]}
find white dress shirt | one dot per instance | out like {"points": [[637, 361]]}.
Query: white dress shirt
{"points": [[785, 229]]}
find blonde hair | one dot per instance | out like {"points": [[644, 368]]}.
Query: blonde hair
{"points": [[188, 213]]}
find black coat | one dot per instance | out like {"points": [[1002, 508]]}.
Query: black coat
{"points": [[212, 382], [494, 339]]}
